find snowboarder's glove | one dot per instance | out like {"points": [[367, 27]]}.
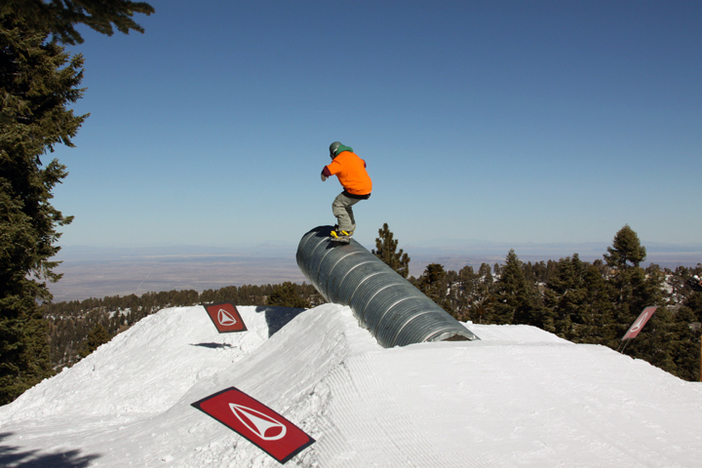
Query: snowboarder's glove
{"points": [[323, 177]]}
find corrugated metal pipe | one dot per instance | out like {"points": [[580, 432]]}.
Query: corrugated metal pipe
{"points": [[384, 302]]}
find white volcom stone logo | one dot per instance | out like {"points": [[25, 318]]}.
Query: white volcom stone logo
{"points": [[635, 327], [225, 318], [259, 423]]}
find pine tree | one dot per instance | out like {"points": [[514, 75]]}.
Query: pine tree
{"points": [[386, 250], [631, 288], [97, 336], [694, 303], [433, 283], [286, 295], [634, 289], [38, 81], [59, 17], [626, 249], [482, 300], [467, 283], [578, 298], [566, 296], [684, 348], [598, 315], [515, 299]]}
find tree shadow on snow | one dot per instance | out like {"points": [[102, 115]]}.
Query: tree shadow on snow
{"points": [[13, 457], [213, 345], [278, 317]]}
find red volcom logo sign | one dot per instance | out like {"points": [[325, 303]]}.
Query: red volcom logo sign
{"points": [[262, 426], [225, 317], [639, 323]]}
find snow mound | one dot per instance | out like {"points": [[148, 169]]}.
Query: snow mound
{"points": [[518, 397], [144, 370]]}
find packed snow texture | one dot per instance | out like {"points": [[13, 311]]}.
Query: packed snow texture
{"points": [[518, 397]]}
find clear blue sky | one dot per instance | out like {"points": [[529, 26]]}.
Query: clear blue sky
{"points": [[507, 121]]}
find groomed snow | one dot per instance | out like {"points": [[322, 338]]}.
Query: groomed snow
{"points": [[519, 397]]}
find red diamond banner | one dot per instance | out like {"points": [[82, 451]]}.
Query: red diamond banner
{"points": [[262, 426], [225, 317]]}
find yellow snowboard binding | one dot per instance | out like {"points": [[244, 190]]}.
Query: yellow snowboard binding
{"points": [[341, 236]]}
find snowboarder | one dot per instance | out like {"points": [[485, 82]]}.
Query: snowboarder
{"points": [[352, 174]]}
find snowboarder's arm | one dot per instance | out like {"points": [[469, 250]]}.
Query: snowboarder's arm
{"points": [[325, 173]]}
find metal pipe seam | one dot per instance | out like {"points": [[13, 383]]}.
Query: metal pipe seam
{"points": [[389, 306]]}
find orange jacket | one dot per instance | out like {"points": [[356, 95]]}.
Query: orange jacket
{"points": [[352, 174]]}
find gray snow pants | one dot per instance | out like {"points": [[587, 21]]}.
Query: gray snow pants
{"points": [[344, 213]]}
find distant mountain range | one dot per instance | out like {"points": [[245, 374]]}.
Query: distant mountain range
{"points": [[100, 272]]}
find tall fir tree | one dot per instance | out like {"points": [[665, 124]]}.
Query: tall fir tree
{"points": [[286, 295], [599, 314], [386, 250], [483, 298], [578, 299], [634, 289], [626, 250], [467, 281], [38, 81], [631, 292], [434, 284], [97, 336], [684, 345], [694, 303], [566, 296], [516, 300]]}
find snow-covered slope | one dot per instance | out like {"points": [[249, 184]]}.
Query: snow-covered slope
{"points": [[518, 397]]}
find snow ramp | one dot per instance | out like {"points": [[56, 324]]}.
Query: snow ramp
{"points": [[518, 397], [390, 307]]}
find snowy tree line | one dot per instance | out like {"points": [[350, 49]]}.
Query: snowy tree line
{"points": [[584, 302], [580, 301]]}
